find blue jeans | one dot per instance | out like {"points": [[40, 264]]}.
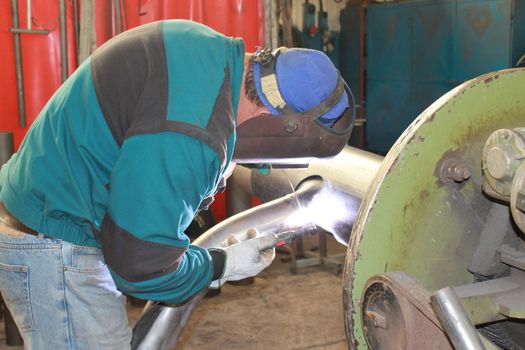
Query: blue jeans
{"points": [[61, 295]]}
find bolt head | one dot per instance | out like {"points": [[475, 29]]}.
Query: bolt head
{"points": [[497, 163], [291, 126]]}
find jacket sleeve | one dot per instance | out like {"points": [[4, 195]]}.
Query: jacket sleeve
{"points": [[156, 186]]}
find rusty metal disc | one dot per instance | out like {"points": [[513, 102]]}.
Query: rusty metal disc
{"points": [[415, 217]]}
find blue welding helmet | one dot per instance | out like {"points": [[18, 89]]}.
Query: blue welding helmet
{"points": [[312, 109]]}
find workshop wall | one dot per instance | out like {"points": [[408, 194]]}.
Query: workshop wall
{"points": [[331, 7], [40, 63], [418, 50], [400, 56], [41, 69]]}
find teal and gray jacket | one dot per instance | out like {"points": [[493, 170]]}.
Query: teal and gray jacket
{"points": [[128, 148]]}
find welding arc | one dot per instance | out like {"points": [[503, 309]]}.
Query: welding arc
{"points": [[300, 206], [162, 325]]}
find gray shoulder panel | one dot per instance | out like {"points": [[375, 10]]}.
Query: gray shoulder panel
{"points": [[219, 129], [134, 259], [222, 123], [147, 127], [131, 78]]}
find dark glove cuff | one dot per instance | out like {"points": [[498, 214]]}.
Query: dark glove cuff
{"points": [[218, 258]]}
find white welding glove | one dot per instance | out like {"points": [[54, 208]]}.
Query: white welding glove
{"points": [[246, 258]]}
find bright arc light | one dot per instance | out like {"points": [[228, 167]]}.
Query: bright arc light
{"points": [[328, 209]]}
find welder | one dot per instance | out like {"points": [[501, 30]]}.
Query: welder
{"points": [[95, 202]]}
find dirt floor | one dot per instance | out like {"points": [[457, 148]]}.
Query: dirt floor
{"points": [[278, 310]]}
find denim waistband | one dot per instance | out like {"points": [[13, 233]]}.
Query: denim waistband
{"points": [[15, 240]]}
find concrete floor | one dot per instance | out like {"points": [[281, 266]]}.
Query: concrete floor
{"points": [[278, 311]]}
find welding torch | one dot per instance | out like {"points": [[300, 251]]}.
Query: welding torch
{"points": [[247, 258], [282, 238]]}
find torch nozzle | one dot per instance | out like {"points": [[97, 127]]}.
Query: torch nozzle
{"points": [[285, 237], [282, 238]]}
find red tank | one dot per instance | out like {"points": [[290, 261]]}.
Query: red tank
{"points": [[40, 48]]}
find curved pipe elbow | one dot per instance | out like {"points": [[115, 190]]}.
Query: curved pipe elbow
{"points": [[315, 204], [270, 217]]}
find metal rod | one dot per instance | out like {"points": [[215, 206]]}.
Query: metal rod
{"points": [[28, 31], [18, 66], [87, 33], [6, 146], [362, 84], [63, 39], [160, 326], [118, 17], [76, 27], [29, 14], [455, 321]]}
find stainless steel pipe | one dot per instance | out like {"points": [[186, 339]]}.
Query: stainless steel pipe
{"points": [[455, 321], [160, 326], [352, 170], [345, 177]]}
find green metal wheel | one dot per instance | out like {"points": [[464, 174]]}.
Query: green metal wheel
{"points": [[425, 209]]}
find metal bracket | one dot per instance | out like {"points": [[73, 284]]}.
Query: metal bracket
{"points": [[29, 30], [16, 30]]}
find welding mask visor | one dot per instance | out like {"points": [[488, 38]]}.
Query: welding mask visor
{"points": [[312, 109]]}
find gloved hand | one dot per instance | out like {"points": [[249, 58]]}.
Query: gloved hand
{"points": [[246, 258]]}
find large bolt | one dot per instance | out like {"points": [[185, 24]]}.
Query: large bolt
{"points": [[291, 125], [454, 170]]}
